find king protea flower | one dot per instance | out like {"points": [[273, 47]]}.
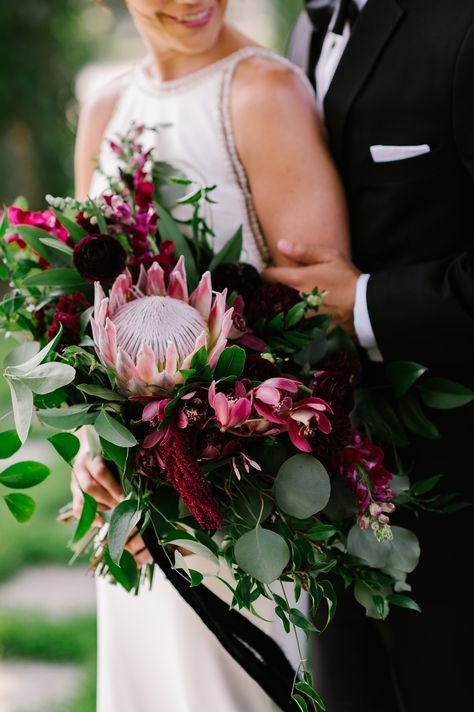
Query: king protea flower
{"points": [[147, 333]]}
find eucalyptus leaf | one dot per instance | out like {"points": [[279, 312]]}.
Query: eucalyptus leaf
{"points": [[66, 445], [402, 552], [23, 475], [302, 486], [10, 443], [125, 517], [262, 553], [22, 506], [114, 432]]}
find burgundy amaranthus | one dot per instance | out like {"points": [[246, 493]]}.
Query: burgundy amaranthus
{"points": [[184, 474], [362, 469]]}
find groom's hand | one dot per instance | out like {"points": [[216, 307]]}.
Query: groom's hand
{"points": [[325, 268]]}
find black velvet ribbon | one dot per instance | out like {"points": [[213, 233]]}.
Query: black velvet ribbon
{"points": [[258, 654]]}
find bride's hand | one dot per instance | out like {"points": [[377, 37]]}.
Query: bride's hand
{"points": [[91, 475]]}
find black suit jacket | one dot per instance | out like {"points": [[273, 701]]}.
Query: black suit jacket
{"points": [[407, 78]]}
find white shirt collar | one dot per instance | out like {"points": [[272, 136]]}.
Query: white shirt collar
{"points": [[360, 3]]}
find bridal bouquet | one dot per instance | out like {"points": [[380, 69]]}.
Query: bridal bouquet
{"points": [[228, 407]]}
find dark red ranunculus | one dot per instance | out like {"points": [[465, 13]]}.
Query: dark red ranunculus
{"points": [[68, 315], [270, 300], [99, 258]]}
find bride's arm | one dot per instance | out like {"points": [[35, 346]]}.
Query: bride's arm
{"points": [[280, 141]]}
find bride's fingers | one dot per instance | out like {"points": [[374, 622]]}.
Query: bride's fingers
{"points": [[101, 474], [88, 484], [136, 547]]}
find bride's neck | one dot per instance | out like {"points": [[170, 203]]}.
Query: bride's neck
{"points": [[168, 64]]}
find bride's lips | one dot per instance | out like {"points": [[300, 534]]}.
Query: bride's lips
{"points": [[193, 20]]}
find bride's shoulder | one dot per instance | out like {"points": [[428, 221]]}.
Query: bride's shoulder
{"points": [[264, 77]]}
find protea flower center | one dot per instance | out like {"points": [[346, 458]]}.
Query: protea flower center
{"points": [[158, 321], [148, 332]]}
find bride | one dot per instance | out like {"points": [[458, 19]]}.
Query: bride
{"points": [[233, 114]]}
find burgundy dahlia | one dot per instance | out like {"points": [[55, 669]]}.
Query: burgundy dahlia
{"points": [[270, 300], [99, 258]]}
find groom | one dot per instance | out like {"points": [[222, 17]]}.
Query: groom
{"points": [[395, 84]]}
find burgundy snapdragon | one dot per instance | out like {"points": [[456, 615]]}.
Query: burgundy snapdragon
{"points": [[362, 470]]}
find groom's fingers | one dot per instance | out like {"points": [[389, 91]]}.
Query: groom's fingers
{"points": [[306, 254], [297, 277]]}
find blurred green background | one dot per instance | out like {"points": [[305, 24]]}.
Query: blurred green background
{"points": [[51, 53]]}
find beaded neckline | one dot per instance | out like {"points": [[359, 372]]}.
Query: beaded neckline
{"points": [[150, 84]]}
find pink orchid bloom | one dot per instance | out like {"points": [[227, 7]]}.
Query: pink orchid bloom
{"points": [[305, 419], [272, 400], [232, 408]]}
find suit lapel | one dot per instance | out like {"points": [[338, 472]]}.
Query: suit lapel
{"points": [[371, 33]]}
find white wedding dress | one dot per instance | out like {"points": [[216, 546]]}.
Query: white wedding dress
{"points": [[154, 653]]}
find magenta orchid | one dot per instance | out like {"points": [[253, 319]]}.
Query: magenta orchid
{"points": [[232, 408]]}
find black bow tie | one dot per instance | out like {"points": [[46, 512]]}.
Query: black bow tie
{"points": [[320, 13]]}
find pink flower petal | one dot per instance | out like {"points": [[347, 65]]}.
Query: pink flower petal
{"points": [[296, 438], [156, 280], [221, 408], [201, 298]]}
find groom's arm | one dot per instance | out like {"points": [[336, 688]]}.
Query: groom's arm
{"points": [[425, 312], [422, 312]]}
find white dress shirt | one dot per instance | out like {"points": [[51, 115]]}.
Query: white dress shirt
{"points": [[331, 53]]}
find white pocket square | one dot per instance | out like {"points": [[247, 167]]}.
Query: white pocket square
{"points": [[385, 154]]}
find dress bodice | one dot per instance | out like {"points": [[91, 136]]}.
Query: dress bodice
{"points": [[195, 134]]}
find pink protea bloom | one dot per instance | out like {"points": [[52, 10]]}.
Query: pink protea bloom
{"points": [[232, 407], [147, 332]]}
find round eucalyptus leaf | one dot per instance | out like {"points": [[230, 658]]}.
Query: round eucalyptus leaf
{"points": [[302, 486], [262, 553], [402, 552]]}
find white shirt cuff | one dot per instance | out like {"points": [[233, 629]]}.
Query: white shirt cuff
{"points": [[363, 327]]}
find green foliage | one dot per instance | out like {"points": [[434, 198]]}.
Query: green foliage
{"points": [[262, 553]]}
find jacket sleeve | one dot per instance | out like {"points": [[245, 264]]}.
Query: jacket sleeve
{"points": [[425, 312]]}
